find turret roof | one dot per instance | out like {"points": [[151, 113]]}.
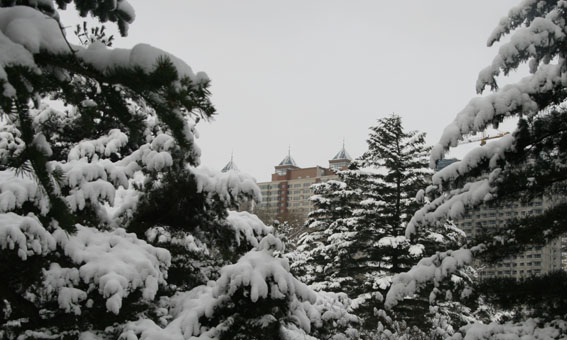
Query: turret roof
{"points": [[342, 154], [230, 166]]}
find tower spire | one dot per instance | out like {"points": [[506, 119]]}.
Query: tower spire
{"points": [[230, 165], [288, 160]]}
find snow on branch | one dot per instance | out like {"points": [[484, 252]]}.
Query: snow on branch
{"points": [[429, 270], [25, 234], [144, 56], [516, 16], [507, 101], [539, 42], [453, 204], [16, 190], [253, 270], [258, 272], [493, 152], [104, 145], [115, 263], [247, 226], [25, 32], [230, 186], [534, 41], [10, 142]]}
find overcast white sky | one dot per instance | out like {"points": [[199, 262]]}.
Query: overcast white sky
{"points": [[307, 73]]}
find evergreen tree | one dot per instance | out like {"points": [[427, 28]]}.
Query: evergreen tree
{"points": [[108, 225], [402, 169], [320, 259], [530, 162], [356, 240]]}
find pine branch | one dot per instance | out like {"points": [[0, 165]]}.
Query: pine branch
{"points": [[59, 209]]}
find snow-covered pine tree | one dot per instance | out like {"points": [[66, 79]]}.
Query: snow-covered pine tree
{"points": [[330, 255], [356, 236], [319, 260], [108, 225], [530, 162], [400, 160]]}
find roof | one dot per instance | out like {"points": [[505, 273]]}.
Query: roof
{"points": [[230, 166], [287, 161], [343, 154]]}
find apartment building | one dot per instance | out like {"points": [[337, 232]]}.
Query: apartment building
{"points": [[535, 261], [286, 196]]}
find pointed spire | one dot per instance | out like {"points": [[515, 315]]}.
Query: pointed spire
{"points": [[288, 160], [342, 154], [230, 165]]}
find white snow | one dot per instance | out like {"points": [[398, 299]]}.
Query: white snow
{"points": [[493, 152], [16, 190], [114, 263], [453, 204], [535, 43], [25, 234], [105, 145], [141, 55], [25, 31], [433, 269], [258, 272], [230, 186]]}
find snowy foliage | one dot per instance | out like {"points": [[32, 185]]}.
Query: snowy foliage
{"points": [[434, 269], [528, 329], [528, 163], [257, 277], [355, 241], [106, 215]]}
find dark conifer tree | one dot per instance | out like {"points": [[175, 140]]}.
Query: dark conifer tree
{"points": [[108, 226], [356, 241], [528, 163]]}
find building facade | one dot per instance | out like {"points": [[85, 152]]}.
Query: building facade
{"points": [[286, 196], [535, 261]]}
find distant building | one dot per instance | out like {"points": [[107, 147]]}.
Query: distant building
{"points": [[341, 160], [535, 261], [286, 196], [442, 163], [487, 218]]}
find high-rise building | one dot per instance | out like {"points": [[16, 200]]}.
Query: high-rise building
{"points": [[286, 196], [534, 261], [487, 218]]}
